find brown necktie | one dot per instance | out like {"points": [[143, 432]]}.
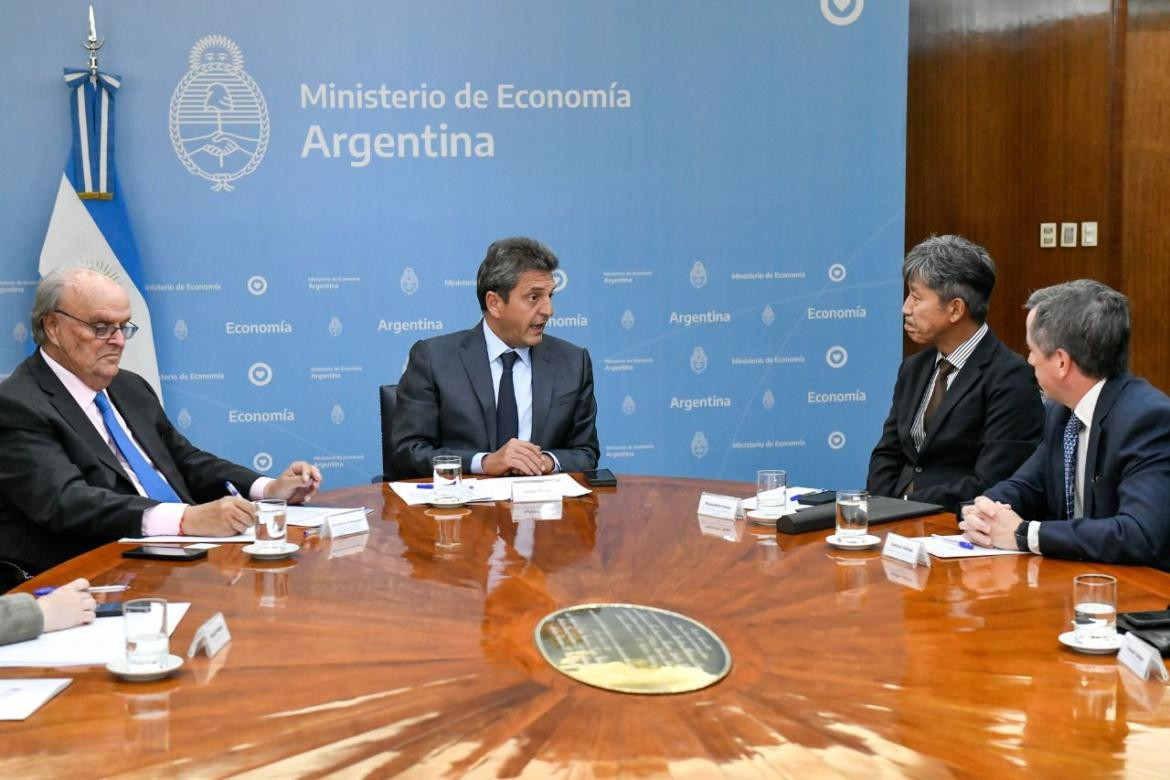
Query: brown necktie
{"points": [[937, 394]]}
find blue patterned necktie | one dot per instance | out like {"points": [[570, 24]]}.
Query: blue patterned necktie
{"points": [[155, 486], [1072, 430], [507, 416]]}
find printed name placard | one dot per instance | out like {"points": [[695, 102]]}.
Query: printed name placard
{"points": [[351, 521], [901, 548], [1142, 658], [212, 636], [536, 490], [715, 505]]}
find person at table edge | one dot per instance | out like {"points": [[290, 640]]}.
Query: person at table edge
{"points": [[504, 396], [1098, 486], [966, 411], [67, 483]]}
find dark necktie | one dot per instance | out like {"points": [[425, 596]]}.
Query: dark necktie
{"points": [[937, 394], [507, 417], [155, 486], [1072, 430]]}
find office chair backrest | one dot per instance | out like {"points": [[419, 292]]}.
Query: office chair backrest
{"points": [[388, 401]]}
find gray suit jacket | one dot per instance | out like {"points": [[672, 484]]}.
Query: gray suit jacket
{"points": [[447, 404], [20, 618]]}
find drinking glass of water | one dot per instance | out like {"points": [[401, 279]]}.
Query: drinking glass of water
{"points": [[447, 477], [1094, 606], [147, 641], [852, 513], [772, 491], [271, 524]]}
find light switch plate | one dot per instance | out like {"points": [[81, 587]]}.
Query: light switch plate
{"points": [[1068, 234], [1088, 234]]}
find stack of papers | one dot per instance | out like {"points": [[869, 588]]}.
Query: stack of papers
{"points": [[492, 489]]}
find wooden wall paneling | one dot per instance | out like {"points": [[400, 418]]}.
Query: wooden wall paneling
{"points": [[1145, 223], [1008, 126]]}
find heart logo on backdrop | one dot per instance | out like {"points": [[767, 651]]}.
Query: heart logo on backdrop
{"points": [[841, 16]]}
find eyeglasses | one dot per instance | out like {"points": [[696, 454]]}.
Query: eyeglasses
{"points": [[104, 330]]}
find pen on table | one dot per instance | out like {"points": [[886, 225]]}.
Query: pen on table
{"points": [[960, 542], [92, 589], [231, 489], [430, 486]]}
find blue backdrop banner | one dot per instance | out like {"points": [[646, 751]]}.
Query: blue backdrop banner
{"points": [[313, 186]]}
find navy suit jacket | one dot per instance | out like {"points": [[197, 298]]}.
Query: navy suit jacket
{"points": [[447, 403], [62, 489], [988, 424], [1126, 483]]}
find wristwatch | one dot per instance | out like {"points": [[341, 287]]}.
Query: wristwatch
{"points": [[1022, 536]]}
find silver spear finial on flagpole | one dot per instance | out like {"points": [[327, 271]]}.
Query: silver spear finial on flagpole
{"points": [[92, 44]]}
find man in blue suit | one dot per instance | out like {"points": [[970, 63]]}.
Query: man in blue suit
{"points": [[1098, 486], [505, 397]]}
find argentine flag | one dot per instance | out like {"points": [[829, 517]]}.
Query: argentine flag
{"points": [[89, 225]]}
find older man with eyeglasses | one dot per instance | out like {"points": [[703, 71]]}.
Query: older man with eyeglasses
{"points": [[87, 454]]}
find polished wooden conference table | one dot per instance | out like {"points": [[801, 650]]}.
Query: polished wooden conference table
{"points": [[410, 651]]}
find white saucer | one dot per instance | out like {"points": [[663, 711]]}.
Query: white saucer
{"points": [[854, 542], [764, 517], [120, 669], [275, 555], [1098, 645]]}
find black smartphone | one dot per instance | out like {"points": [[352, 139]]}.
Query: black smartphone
{"points": [[109, 609], [818, 498], [1152, 619], [164, 553], [600, 477]]}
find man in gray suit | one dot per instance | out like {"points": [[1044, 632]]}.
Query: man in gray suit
{"points": [[503, 396]]}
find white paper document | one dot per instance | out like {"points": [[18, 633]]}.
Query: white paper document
{"points": [[22, 697], [247, 537], [749, 504], [488, 489], [98, 642], [952, 547]]}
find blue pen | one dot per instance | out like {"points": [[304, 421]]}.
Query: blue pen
{"points": [[960, 542], [92, 589], [231, 489], [424, 486]]}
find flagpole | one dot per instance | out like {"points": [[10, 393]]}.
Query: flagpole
{"points": [[92, 44]]}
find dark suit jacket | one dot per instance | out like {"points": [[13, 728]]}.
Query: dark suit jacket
{"points": [[447, 405], [989, 423], [62, 490], [1127, 480]]}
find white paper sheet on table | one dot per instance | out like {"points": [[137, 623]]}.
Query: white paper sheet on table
{"points": [[302, 516], [946, 547], [489, 489], [749, 504], [247, 537], [21, 697], [98, 642]]}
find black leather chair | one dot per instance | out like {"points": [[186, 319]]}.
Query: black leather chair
{"points": [[387, 401]]}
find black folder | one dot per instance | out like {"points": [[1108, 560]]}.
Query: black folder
{"points": [[881, 510]]}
